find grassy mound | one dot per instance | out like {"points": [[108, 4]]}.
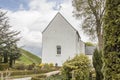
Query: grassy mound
{"points": [[28, 58]]}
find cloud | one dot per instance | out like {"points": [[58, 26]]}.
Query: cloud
{"points": [[33, 21]]}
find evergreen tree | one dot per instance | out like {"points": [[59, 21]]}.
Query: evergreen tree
{"points": [[13, 54], [111, 54], [8, 39], [97, 63]]}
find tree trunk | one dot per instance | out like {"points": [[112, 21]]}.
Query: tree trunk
{"points": [[5, 58], [11, 61], [100, 42], [99, 34]]}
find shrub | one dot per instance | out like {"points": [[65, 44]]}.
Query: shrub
{"points": [[51, 65], [97, 63], [77, 68], [46, 66], [22, 72], [111, 51], [41, 65], [93, 73], [27, 72], [20, 66], [31, 67], [4, 66], [55, 77]]}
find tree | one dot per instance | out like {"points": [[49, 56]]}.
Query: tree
{"points": [[111, 51], [14, 54], [8, 38], [97, 63], [92, 11], [77, 68]]}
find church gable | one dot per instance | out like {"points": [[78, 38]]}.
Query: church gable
{"points": [[60, 41], [57, 21]]}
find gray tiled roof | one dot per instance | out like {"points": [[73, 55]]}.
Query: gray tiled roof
{"points": [[89, 50]]}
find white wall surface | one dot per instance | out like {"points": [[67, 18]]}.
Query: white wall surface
{"points": [[59, 32]]}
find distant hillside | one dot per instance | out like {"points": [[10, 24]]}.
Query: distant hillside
{"points": [[28, 58]]}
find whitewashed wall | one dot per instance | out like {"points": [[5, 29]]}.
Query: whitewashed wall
{"points": [[59, 32], [82, 47]]}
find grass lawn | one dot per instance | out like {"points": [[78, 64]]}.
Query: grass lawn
{"points": [[28, 58], [25, 60]]}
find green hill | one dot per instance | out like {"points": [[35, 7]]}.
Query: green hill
{"points": [[28, 58]]}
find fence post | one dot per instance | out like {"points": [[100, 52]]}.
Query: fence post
{"points": [[1, 76]]}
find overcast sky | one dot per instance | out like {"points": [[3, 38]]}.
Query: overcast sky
{"points": [[31, 17]]}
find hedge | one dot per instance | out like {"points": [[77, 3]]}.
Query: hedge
{"points": [[111, 52], [4, 66]]}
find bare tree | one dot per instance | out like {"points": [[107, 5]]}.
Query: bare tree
{"points": [[92, 11]]}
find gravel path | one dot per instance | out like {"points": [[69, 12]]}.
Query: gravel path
{"points": [[52, 73], [29, 78], [26, 78]]}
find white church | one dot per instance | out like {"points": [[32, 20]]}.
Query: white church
{"points": [[60, 41]]}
